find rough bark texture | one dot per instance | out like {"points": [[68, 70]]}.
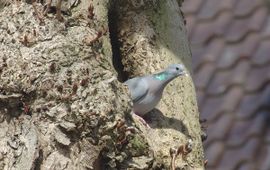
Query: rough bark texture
{"points": [[62, 106], [153, 35]]}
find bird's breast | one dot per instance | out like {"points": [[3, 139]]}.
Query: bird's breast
{"points": [[147, 104]]}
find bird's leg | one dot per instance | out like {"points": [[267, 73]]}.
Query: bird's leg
{"points": [[58, 11], [205, 162], [123, 131], [182, 149], [141, 120], [185, 149], [173, 154], [48, 6]]}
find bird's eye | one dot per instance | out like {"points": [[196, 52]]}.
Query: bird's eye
{"points": [[177, 68]]}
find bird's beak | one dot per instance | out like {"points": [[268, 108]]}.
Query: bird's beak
{"points": [[184, 74]]}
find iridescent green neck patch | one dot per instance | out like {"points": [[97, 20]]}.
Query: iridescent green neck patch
{"points": [[161, 76]]}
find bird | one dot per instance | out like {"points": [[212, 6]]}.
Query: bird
{"points": [[146, 91]]}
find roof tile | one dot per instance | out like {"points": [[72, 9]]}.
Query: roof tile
{"points": [[209, 168], [266, 30], [246, 166], [212, 7], [258, 76], [200, 97], [230, 56], [265, 99], [208, 54], [262, 54], [213, 50], [219, 129], [234, 52], [258, 19], [191, 7], [244, 7], [231, 39], [213, 153], [240, 73], [258, 124], [242, 153], [219, 82], [232, 99], [250, 44], [203, 76], [223, 80], [197, 53], [243, 129], [206, 30], [241, 26], [222, 103], [208, 111], [237, 30], [191, 21], [249, 104], [264, 158], [267, 135]]}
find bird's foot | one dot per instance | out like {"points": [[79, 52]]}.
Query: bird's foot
{"points": [[173, 154], [123, 131], [141, 120], [181, 150]]}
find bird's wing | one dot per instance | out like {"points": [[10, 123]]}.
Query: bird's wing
{"points": [[138, 88]]}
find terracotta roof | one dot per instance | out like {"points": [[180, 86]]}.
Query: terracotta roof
{"points": [[230, 42]]}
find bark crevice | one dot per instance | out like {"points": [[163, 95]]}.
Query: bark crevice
{"points": [[71, 111], [115, 43], [39, 160]]}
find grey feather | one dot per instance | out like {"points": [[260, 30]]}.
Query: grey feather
{"points": [[146, 91], [139, 88]]}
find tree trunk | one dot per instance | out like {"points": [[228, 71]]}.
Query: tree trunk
{"points": [[62, 106]]}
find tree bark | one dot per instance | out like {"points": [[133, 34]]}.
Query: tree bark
{"points": [[62, 106], [153, 35]]}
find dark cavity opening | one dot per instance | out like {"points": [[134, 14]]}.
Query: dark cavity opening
{"points": [[116, 53]]}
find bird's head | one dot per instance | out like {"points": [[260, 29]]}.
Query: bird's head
{"points": [[173, 71], [176, 70]]}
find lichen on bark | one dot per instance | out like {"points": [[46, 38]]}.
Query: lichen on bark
{"points": [[62, 106], [153, 35]]}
